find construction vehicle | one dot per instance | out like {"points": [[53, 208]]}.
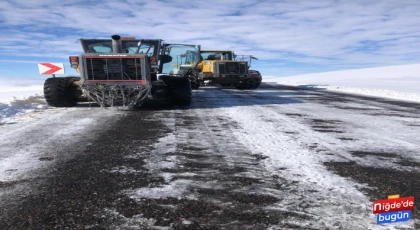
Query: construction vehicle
{"points": [[125, 72], [184, 61], [227, 69]]}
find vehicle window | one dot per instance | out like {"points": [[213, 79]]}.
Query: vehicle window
{"points": [[128, 46], [216, 55], [210, 55], [146, 49], [100, 49], [184, 57]]}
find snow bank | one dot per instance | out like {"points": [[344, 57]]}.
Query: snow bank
{"points": [[19, 96], [397, 82], [20, 105]]}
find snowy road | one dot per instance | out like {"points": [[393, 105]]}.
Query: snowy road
{"points": [[274, 158]]}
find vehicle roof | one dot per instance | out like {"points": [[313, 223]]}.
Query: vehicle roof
{"points": [[128, 40], [215, 50]]}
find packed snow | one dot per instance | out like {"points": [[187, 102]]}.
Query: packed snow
{"points": [[337, 203], [28, 148]]}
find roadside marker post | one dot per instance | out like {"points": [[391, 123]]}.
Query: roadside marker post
{"points": [[51, 68]]}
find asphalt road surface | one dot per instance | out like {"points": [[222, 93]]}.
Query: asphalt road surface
{"points": [[274, 158]]}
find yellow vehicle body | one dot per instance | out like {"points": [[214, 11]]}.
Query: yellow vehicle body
{"points": [[219, 67], [207, 66], [207, 63]]}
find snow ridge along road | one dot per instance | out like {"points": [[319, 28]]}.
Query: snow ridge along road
{"points": [[275, 158]]}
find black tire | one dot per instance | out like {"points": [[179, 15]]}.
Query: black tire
{"points": [[245, 84], [195, 84], [255, 83], [256, 79], [60, 92], [240, 86], [250, 83], [179, 88]]}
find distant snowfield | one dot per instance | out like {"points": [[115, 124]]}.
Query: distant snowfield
{"points": [[397, 82], [19, 87], [19, 92]]}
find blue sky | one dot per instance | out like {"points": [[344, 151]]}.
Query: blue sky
{"points": [[288, 37]]}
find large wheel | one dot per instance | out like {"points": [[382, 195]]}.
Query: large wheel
{"points": [[194, 81], [255, 83], [256, 79], [245, 84], [179, 88], [60, 92], [195, 84]]}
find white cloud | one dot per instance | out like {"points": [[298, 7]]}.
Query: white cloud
{"points": [[18, 61], [333, 33]]}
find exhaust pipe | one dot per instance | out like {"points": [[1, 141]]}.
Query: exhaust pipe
{"points": [[116, 44]]}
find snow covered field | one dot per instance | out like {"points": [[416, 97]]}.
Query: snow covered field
{"points": [[398, 82], [19, 87]]}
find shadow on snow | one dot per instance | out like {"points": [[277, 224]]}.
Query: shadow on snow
{"points": [[215, 97]]}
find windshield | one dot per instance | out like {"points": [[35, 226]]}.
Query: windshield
{"points": [[216, 55], [184, 57], [149, 47], [145, 48]]}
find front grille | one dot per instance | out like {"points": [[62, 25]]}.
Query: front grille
{"points": [[232, 67], [113, 68]]}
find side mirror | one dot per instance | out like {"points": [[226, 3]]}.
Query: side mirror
{"points": [[165, 58]]}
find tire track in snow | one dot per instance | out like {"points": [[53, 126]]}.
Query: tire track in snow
{"points": [[31, 152], [211, 179], [335, 196]]}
